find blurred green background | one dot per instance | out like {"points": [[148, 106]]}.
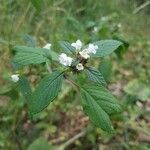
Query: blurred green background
{"points": [[63, 125]]}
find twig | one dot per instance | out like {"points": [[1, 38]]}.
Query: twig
{"points": [[141, 7], [70, 141]]}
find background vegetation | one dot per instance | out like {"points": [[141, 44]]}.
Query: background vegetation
{"points": [[63, 124]]}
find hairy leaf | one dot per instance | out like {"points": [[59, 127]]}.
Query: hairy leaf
{"points": [[46, 91], [98, 103], [67, 47], [106, 47], [105, 68], [29, 55], [95, 76], [25, 88]]}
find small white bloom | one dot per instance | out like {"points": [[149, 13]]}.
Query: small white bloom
{"points": [[47, 46], [79, 66], [65, 60], [103, 18], [119, 25], [15, 77], [95, 29], [77, 44], [84, 54], [92, 49]]}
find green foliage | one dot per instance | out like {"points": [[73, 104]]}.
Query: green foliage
{"points": [[40, 144], [67, 47], [37, 4], [27, 55], [46, 91], [106, 47], [105, 68], [138, 89], [103, 102], [25, 88], [95, 76], [29, 40], [98, 103], [70, 20]]}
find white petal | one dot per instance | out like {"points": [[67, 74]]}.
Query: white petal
{"points": [[15, 77], [65, 60], [69, 61], [92, 49], [96, 47], [73, 44], [77, 44], [95, 29], [84, 54], [80, 67], [47, 46]]}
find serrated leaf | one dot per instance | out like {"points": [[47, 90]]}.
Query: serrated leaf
{"points": [[106, 47], [46, 91], [95, 76], [25, 88], [98, 103], [105, 68], [28, 55], [67, 47]]}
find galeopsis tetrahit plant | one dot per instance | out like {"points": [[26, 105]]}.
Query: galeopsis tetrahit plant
{"points": [[97, 102]]}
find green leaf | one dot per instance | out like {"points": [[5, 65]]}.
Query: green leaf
{"points": [[37, 4], [67, 47], [25, 88], [29, 40], [138, 89], [123, 48], [98, 103], [95, 76], [28, 55], [106, 47], [105, 68], [46, 91], [40, 144]]}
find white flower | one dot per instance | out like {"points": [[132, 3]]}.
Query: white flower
{"points": [[47, 46], [119, 25], [104, 18], [95, 29], [92, 49], [84, 54], [65, 60], [15, 77], [79, 66], [77, 44]]}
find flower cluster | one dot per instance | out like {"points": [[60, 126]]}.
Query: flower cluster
{"points": [[83, 53]]}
